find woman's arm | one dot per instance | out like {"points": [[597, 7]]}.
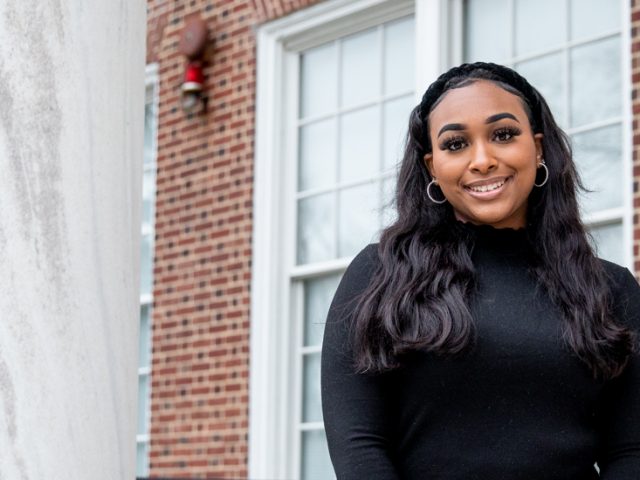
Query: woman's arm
{"points": [[356, 416], [620, 453]]}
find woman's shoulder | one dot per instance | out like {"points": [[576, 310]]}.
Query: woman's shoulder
{"points": [[625, 293], [618, 276], [363, 265]]}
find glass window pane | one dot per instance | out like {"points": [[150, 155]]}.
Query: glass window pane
{"points": [[361, 70], [318, 80], [359, 144], [608, 239], [146, 265], [149, 133], [389, 212], [143, 402], [311, 407], [595, 81], [598, 154], [593, 17], [540, 25], [142, 459], [552, 87], [487, 25], [317, 155], [399, 56], [316, 236], [316, 463], [359, 211], [144, 347], [148, 197], [396, 123], [318, 293]]}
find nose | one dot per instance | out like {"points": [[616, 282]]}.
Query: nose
{"points": [[482, 160]]}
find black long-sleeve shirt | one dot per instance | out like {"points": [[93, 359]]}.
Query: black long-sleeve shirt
{"points": [[518, 405]]}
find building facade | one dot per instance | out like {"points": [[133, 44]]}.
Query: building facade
{"points": [[254, 207]]}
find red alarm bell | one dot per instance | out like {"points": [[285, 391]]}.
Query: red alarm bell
{"points": [[192, 44]]}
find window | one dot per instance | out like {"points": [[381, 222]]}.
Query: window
{"points": [[573, 52], [335, 85], [355, 95], [342, 99], [146, 270]]}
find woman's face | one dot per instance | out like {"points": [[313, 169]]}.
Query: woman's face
{"points": [[484, 154]]}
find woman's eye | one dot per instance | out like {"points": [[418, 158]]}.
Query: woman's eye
{"points": [[453, 144], [505, 134]]}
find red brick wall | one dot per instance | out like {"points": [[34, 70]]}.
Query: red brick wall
{"points": [[199, 395], [635, 94]]}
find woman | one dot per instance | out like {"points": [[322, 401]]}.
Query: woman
{"points": [[482, 338]]}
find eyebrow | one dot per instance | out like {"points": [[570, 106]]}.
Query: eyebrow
{"points": [[491, 119]]}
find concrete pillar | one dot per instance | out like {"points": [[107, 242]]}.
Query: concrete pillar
{"points": [[71, 132]]}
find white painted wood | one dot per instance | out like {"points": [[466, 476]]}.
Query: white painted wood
{"points": [[627, 136], [71, 133]]}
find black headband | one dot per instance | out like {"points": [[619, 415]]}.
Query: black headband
{"points": [[496, 72]]}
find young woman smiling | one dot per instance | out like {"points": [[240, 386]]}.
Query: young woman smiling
{"points": [[481, 338]]}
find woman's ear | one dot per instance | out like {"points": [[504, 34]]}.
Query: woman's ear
{"points": [[537, 138], [428, 162]]}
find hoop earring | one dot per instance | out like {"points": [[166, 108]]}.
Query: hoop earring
{"points": [[434, 182], [546, 172]]}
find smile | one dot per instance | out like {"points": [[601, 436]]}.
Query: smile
{"points": [[487, 190]]}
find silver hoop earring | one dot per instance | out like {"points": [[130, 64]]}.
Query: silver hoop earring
{"points": [[433, 182], [546, 174]]}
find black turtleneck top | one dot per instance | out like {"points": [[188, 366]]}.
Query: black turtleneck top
{"points": [[519, 405]]}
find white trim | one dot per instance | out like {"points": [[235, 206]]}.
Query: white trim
{"points": [[627, 136], [353, 108], [152, 81], [431, 50], [604, 217], [272, 301]]}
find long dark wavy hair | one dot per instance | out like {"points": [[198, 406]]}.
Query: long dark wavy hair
{"points": [[418, 297]]}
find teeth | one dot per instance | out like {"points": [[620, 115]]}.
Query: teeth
{"points": [[487, 188]]}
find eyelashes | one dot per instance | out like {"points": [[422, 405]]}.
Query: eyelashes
{"points": [[501, 135]]}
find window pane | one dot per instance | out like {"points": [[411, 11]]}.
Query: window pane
{"points": [[396, 124], [359, 207], [318, 80], [142, 459], [593, 17], [316, 236], [144, 346], [316, 464], [399, 57], [608, 239], [389, 212], [487, 25], [317, 155], [552, 87], [318, 293], [598, 154], [540, 25], [359, 144], [146, 265], [361, 70], [148, 197], [595, 81], [311, 407], [149, 133], [143, 402]]}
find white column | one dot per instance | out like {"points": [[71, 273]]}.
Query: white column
{"points": [[71, 132]]}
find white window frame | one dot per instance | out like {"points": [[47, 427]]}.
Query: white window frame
{"points": [[152, 81]]}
